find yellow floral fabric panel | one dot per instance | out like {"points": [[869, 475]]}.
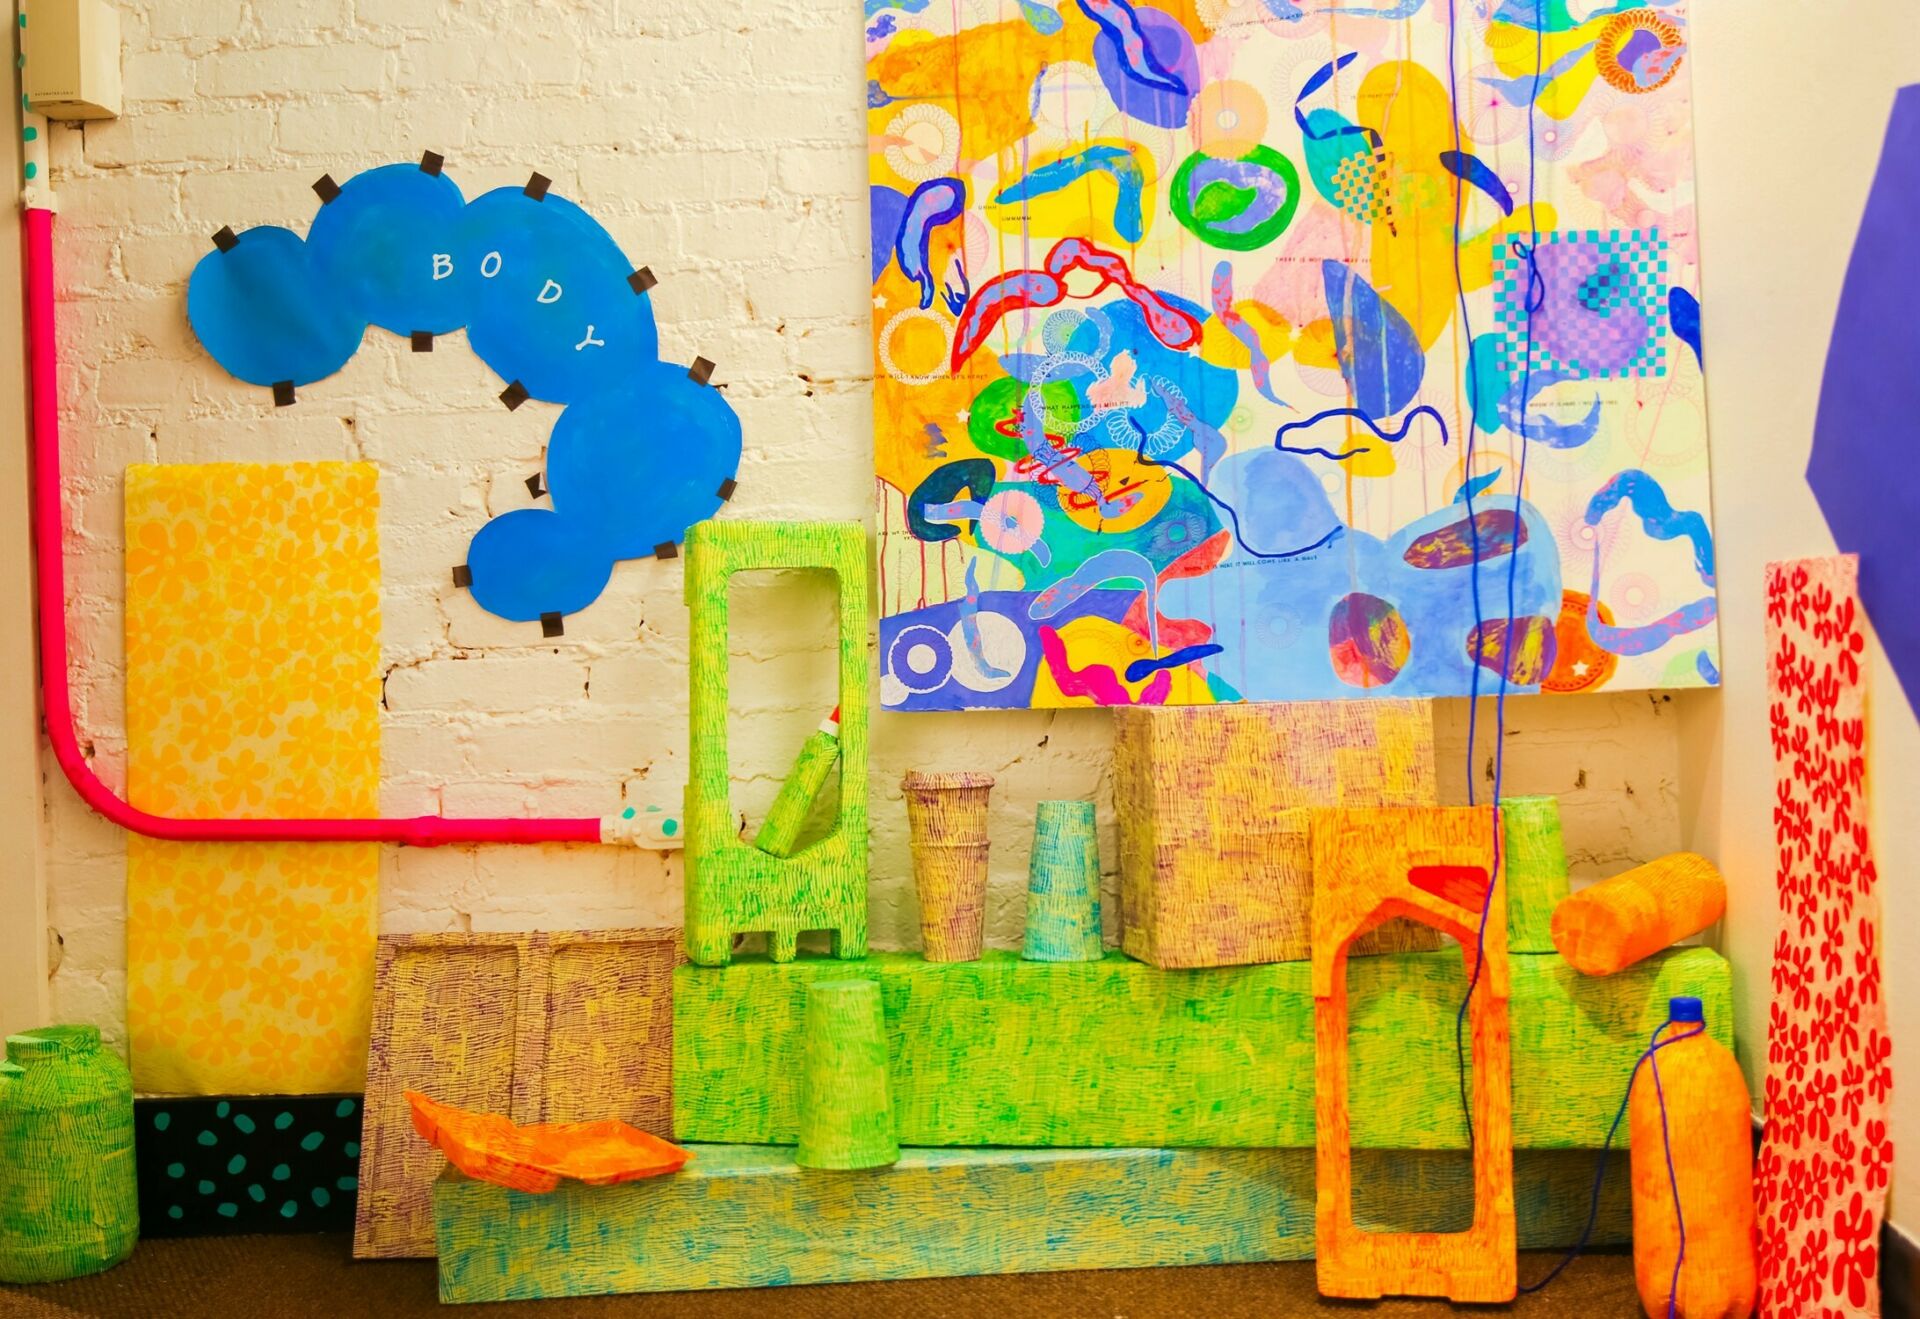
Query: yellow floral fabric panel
{"points": [[253, 690]]}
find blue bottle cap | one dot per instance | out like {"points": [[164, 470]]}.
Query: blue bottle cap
{"points": [[1685, 1009]]}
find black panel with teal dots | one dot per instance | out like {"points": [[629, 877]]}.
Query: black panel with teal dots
{"points": [[247, 1163]]}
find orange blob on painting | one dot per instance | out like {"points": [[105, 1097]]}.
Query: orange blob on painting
{"points": [[490, 1148], [1578, 664]]}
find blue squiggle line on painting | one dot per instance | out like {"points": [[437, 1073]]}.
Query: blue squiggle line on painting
{"points": [[1231, 513], [1319, 79], [1657, 517], [1142, 669], [1390, 436], [1661, 521], [1703, 665]]}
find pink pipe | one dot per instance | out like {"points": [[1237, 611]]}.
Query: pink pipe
{"points": [[49, 536]]}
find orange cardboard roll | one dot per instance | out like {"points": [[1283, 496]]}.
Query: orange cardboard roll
{"points": [[1620, 921]]}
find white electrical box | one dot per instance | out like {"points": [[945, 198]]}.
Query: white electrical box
{"points": [[72, 66]]}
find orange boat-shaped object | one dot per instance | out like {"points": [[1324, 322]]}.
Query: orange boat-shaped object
{"points": [[491, 1148]]}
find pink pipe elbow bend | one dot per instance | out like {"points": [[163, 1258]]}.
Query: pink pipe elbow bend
{"points": [[49, 535]]}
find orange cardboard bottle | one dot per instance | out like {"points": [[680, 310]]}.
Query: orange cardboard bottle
{"points": [[1708, 1130]]}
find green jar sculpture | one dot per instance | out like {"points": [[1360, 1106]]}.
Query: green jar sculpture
{"points": [[68, 1204]]}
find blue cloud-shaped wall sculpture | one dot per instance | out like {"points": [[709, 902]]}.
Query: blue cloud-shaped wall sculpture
{"points": [[643, 449]]}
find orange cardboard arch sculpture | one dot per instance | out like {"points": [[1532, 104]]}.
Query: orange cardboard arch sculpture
{"points": [[1434, 865]]}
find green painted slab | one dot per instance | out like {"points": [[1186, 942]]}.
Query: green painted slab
{"points": [[1116, 1052], [746, 1216]]}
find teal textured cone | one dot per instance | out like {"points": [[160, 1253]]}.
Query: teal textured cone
{"points": [[1063, 885], [68, 1204], [846, 1112]]}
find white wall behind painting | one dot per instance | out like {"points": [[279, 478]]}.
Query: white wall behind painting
{"points": [[723, 146], [1788, 117]]}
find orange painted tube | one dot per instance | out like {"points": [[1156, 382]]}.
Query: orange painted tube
{"points": [[1623, 920], [1692, 1140]]}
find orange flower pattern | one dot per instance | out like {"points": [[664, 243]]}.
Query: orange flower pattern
{"points": [[253, 689]]}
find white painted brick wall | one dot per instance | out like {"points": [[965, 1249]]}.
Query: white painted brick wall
{"points": [[724, 147]]}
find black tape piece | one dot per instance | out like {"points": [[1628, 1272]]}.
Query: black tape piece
{"points": [[326, 188], [534, 487], [431, 162], [514, 395], [423, 341], [666, 549], [222, 1165], [283, 393], [701, 371], [552, 625], [462, 575], [727, 487], [641, 280], [537, 187], [226, 240]]}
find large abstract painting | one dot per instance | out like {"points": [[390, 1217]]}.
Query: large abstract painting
{"points": [[1251, 350]]}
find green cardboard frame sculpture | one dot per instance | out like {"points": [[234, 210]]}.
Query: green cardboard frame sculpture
{"points": [[732, 887]]}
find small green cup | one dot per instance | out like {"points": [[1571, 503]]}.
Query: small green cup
{"points": [[846, 1112]]}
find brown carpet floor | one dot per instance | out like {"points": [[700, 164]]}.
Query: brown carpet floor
{"points": [[295, 1276]]}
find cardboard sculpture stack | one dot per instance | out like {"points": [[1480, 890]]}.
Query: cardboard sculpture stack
{"points": [[1114, 1112]]}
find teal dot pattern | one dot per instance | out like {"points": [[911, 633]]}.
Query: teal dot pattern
{"points": [[212, 1166]]}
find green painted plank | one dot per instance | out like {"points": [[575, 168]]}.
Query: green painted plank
{"points": [[746, 1216], [1116, 1052]]}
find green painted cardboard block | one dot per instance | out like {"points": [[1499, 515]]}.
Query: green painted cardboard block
{"points": [[731, 887], [1119, 1053], [1536, 870], [746, 1216]]}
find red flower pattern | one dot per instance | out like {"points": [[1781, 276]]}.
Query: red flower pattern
{"points": [[1821, 1179]]}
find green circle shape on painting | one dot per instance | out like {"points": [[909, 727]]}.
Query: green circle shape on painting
{"points": [[1220, 201], [1002, 402]]}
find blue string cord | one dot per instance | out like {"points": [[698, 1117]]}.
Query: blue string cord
{"points": [[1673, 1178], [1600, 1168], [1535, 299]]}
